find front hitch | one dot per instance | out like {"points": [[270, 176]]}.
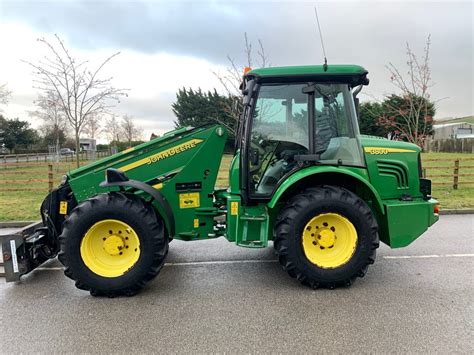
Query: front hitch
{"points": [[25, 250]]}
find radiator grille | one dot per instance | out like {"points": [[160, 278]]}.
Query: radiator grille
{"points": [[396, 170]]}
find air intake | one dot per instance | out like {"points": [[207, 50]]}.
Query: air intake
{"points": [[395, 169]]}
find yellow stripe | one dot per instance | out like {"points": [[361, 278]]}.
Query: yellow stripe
{"points": [[131, 149], [163, 155], [382, 150], [158, 186]]}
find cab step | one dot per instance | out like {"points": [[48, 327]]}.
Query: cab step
{"points": [[252, 231]]}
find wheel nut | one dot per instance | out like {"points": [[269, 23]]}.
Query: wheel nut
{"points": [[315, 243]]}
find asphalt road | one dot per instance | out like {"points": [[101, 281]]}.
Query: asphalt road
{"points": [[215, 297]]}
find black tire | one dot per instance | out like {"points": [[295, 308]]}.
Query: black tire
{"points": [[312, 202], [137, 214]]}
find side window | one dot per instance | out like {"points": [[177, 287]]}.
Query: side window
{"points": [[336, 137], [279, 131]]}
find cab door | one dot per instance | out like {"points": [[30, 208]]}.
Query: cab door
{"points": [[277, 131]]}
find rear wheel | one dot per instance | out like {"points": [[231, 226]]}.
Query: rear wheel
{"points": [[326, 237], [113, 244]]}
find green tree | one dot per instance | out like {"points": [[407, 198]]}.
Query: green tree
{"points": [[196, 108], [14, 133], [406, 117], [369, 112]]}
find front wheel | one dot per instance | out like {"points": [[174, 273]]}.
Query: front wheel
{"points": [[326, 237], [113, 244]]}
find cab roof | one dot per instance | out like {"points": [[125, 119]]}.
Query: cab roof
{"points": [[346, 73]]}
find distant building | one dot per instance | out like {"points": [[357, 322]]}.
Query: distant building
{"points": [[88, 144], [458, 130]]}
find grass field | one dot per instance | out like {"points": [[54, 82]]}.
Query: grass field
{"points": [[24, 205], [449, 198]]}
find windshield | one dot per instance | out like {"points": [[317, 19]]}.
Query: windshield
{"points": [[280, 131]]}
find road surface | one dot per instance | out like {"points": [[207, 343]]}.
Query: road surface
{"points": [[215, 297]]}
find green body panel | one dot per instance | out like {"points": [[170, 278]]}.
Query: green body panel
{"points": [[181, 157], [393, 173], [234, 174], [406, 221]]}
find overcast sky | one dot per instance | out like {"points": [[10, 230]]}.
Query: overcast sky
{"points": [[166, 45]]}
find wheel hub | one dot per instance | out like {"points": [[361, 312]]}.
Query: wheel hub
{"points": [[326, 238], [329, 240], [110, 248], [113, 245]]}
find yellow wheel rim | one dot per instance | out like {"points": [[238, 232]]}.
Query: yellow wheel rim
{"points": [[329, 240], [110, 248]]}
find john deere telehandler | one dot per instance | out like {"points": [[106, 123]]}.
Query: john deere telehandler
{"points": [[301, 176]]}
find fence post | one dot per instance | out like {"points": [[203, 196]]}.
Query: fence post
{"points": [[50, 177], [456, 174]]}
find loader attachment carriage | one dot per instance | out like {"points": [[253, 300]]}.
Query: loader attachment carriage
{"points": [[302, 176]]}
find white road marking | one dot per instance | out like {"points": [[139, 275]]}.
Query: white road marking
{"points": [[221, 262], [427, 256], [217, 262]]}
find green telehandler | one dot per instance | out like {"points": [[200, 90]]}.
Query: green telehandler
{"points": [[302, 177]]}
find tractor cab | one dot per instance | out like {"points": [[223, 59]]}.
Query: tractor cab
{"points": [[294, 117]]}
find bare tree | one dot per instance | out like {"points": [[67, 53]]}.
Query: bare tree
{"points": [[112, 129], [51, 113], [410, 119], [80, 92], [93, 126], [231, 78], [4, 94], [130, 130]]}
